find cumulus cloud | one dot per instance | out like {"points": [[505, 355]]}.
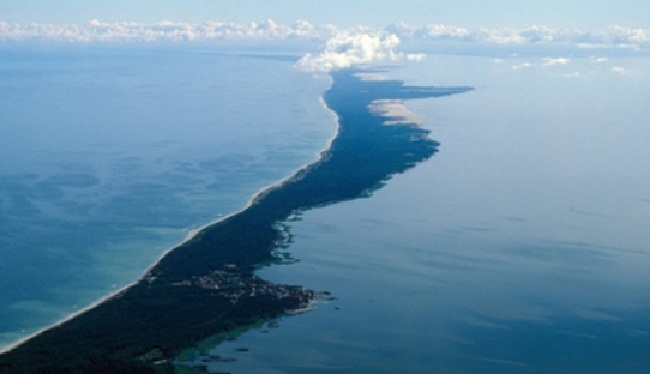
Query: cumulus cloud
{"points": [[618, 69], [97, 31], [555, 61], [613, 36], [523, 66], [498, 36], [626, 35], [347, 48], [415, 56], [165, 31]]}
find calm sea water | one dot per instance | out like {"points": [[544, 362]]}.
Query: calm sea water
{"points": [[109, 155], [522, 246]]}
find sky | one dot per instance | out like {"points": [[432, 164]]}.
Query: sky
{"points": [[589, 15]]}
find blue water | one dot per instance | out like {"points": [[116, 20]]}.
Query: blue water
{"points": [[111, 154], [522, 246]]}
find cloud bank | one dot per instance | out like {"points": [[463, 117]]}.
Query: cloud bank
{"points": [[614, 35], [346, 49], [165, 31], [342, 47]]}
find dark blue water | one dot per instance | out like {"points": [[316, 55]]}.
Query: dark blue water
{"points": [[521, 246]]}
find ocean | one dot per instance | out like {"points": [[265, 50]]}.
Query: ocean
{"points": [[520, 246], [111, 155]]}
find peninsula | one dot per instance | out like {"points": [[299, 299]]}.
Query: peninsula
{"points": [[206, 285]]}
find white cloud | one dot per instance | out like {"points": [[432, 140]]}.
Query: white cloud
{"points": [[523, 65], [348, 48], [444, 32], [555, 61], [614, 36], [415, 56], [626, 35], [618, 69], [97, 31], [433, 31], [499, 36]]}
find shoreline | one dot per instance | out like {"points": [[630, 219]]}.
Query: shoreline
{"points": [[123, 330], [191, 235]]}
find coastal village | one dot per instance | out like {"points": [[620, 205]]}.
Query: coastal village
{"points": [[233, 284]]}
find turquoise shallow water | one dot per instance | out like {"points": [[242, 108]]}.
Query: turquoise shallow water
{"points": [[110, 155]]}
